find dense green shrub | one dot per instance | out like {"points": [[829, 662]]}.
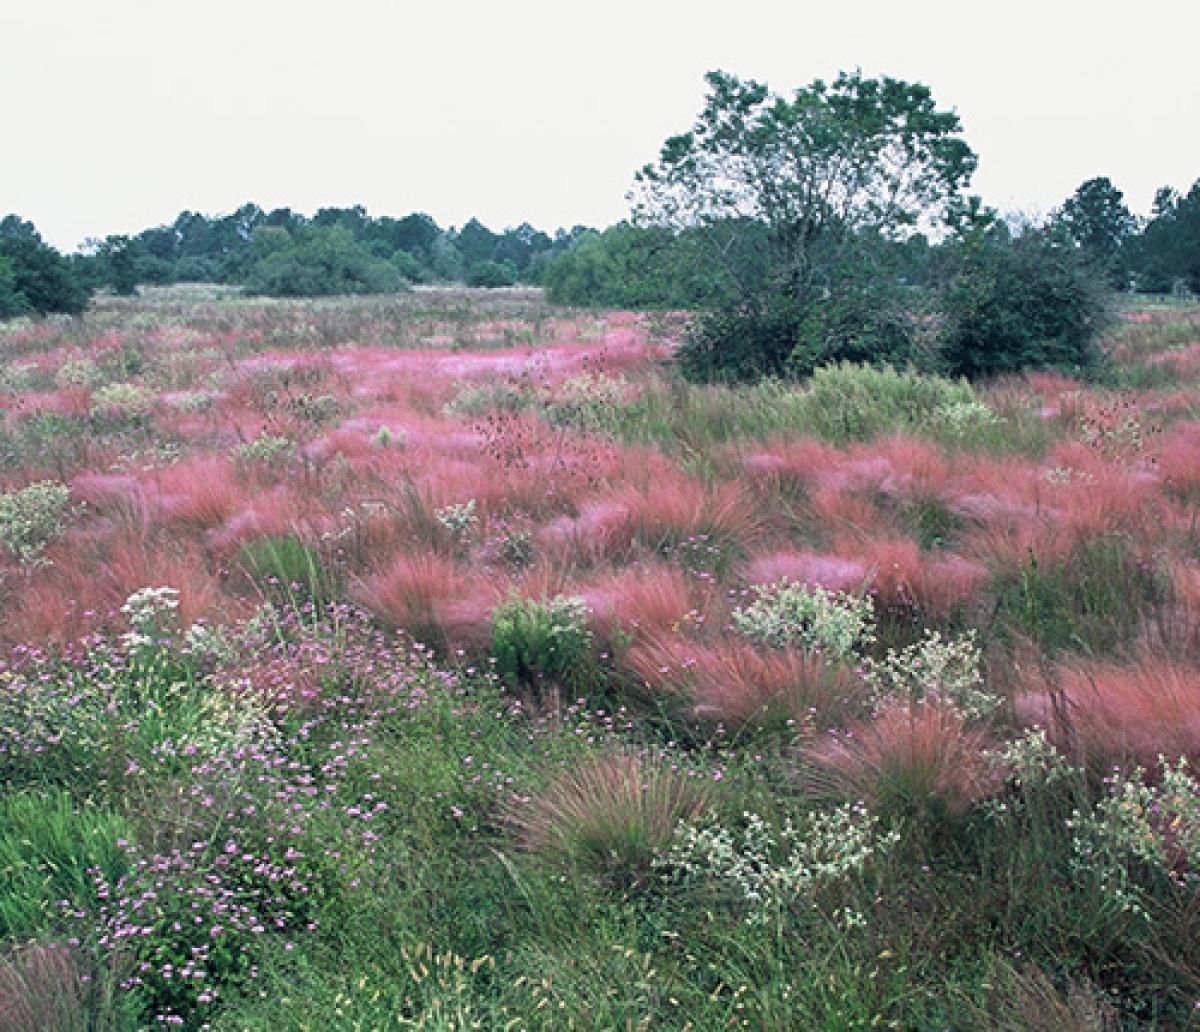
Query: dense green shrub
{"points": [[535, 642], [34, 278], [1031, 303], [316, 262], [492, 274]]}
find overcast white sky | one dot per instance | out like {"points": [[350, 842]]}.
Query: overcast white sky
{"points": [[117, 114]]}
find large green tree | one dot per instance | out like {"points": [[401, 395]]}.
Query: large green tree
{"points": [[34, 278], [1097, 220], [787, 195]]}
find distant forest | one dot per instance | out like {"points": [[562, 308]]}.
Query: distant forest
{"points": [[283, 253]]}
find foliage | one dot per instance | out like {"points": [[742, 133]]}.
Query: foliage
{"points": [[1097, 220], [33, 517], [784, 193], [847, 402], [1009, 305], [630, 266], [1164, 256], [537, 642], [769, 869], [316, 262], [937, 670], [35, 278], [1141, 831], [784, 614]]}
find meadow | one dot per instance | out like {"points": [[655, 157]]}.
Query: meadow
{"points": [[445, 661]]}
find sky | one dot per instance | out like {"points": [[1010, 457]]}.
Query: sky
{"points": [[118, 114]]}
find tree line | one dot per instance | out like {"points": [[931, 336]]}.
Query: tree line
{"points": [[833, 224], [279, 253]]}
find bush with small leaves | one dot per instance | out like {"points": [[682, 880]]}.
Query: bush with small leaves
{"points": [[937, 669], [33, 517], [535, 642], [789, 615], [769, 869]]}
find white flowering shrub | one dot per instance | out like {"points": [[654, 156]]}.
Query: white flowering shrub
{"points": [[770, 869], [459, 519], [948, 671], [78, 372], [33, 517], [208, 644], [1032, 761], [785, 614], [123, 401], [962, 419], [151, 613], [266, 449], [1140, 833]]}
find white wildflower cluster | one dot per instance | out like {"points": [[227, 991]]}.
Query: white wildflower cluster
{"points": [[963, 418], [935, 668], [1060, 476], [1141, 829], [77, 372], [458, 519], [33, 517], [588, 402], [123, 400], [266, 448], [208, 644], [151, 613], [785, 614], [770, 869], [569, 616], [1032, 761], [192, 401]]}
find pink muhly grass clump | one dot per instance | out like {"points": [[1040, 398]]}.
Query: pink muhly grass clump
{"points": [[610, 816], [650, 599], [1104, 714], [919, 761], [832, 572], [903, 574], [429, 596], [1178, 459], [202, 492], [737, 683]]}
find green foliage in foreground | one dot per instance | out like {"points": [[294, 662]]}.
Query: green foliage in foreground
{"points": [[449, 861]]}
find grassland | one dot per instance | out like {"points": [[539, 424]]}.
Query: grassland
{"points": [[445, 662]]}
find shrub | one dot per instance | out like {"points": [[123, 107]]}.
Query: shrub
{"points": [[535, 642], [769, 869], [491, 274], [848, 402], [34, 277], [793, 615], [936, 670], [1027, 304], [33, 517], [611, 816], [1141, 835], [123, 401], [265, 448]]}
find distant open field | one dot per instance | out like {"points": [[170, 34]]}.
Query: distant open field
{"points": [[505, 680]]}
